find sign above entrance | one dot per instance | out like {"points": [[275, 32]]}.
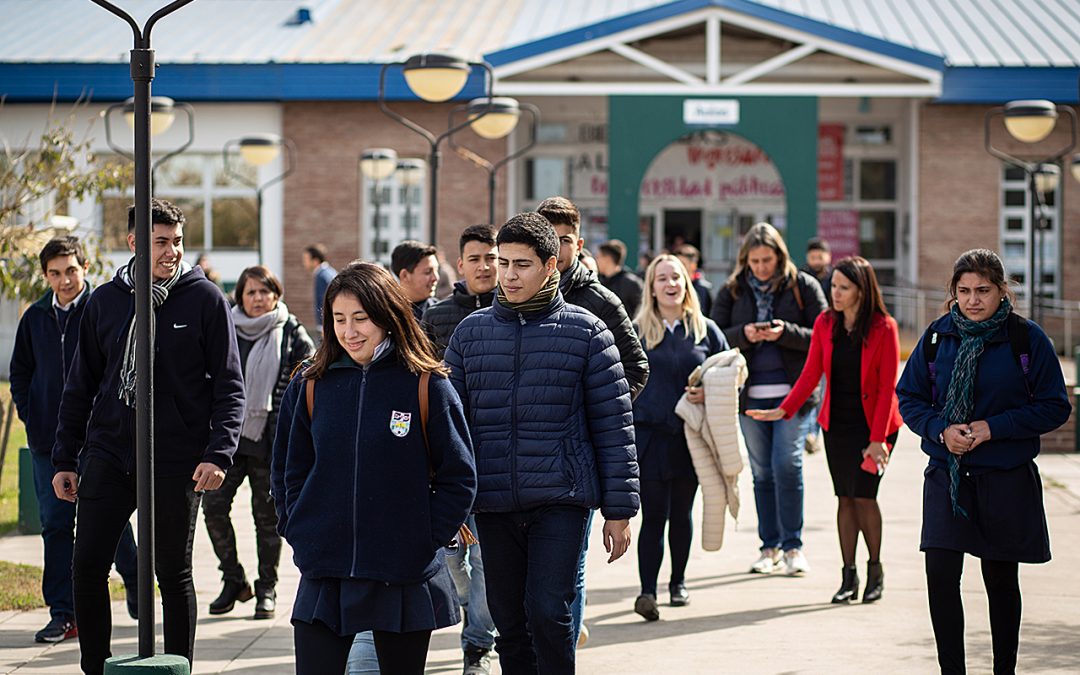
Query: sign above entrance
{"points": [[710, 111]]}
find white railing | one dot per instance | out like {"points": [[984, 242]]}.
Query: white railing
{"points": [[915, 308]]}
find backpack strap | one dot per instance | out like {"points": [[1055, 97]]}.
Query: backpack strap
{"points": [[464, 533], [309, 393], [798, 294], [1020, 343]]}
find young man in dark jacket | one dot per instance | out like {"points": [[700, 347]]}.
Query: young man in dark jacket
{"points": [[550, 417], [478, 267], [619, 280], [691, 257], [198, 412], [580, 286], [314, 260], [416, 266], [44, 349]]}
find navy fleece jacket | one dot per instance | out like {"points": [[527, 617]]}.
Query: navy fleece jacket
{"points": [[198, 384], [44, 350], [350, 483], [1001, 398]]}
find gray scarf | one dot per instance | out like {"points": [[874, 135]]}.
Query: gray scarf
{"points": [[763, 295], [263, 365], [159, 293]]}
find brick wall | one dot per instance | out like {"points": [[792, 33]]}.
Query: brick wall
{"points": [[959, 191], [322, 197]]}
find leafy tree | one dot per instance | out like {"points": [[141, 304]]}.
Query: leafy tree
{"points": [[36, 180]]}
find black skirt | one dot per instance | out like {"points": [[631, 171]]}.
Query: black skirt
{"points": [[844, 445], [1006, 519], [350, 606]]}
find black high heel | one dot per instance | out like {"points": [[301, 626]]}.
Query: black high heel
{"points": [[875, 582], [849, 586]]}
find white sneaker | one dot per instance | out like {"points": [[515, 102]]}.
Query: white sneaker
{"points": [[766, 564], [795, 562]]}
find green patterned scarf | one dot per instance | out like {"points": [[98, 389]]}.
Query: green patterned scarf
{"points": [[537, 302], [960, 398]]}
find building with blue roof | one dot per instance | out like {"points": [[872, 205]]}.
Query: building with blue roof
{"points": [[665, 121]]}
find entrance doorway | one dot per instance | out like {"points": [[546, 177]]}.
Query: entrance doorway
{"points": [[682, 226]]}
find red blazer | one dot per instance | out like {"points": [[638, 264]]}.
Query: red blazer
{"points": [[880, 363]]}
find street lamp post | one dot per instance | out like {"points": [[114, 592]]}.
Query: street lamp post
{"points": [[410, 173], [434, 78], [492, 121], [258, 150], [142, 74], [377, 164], [162, 115], [1032, 122]]}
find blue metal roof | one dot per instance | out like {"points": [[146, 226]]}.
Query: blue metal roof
{"points": [[255, 50]]}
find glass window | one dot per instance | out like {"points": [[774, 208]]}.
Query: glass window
{"points": [[1014, 173], [877, 180], [1013, 224], [1015, 197], [235, 222], [877, 234], [180, 171], [873, 134], [545, 176]]}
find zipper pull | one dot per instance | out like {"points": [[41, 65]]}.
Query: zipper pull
{"points": [[521, 318]]}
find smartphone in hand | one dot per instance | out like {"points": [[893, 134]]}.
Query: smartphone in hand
{"points": [[870, 466]]}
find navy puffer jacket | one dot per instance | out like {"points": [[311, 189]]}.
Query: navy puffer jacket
{"points": [[548, 409]]}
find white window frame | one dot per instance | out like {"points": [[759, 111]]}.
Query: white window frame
{"points": [[1051, 238]]}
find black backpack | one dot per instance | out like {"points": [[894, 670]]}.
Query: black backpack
{"points": [[1019, 340]]}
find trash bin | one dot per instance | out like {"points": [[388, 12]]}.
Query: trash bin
{"points": [[29, 519]]}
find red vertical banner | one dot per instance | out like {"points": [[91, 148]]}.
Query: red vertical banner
{"points": [[830, 162]]}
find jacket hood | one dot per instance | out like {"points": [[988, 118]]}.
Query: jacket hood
{"points": [[463, 297]]}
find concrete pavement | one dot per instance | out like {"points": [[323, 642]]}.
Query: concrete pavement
{"points": [[736, 622]]}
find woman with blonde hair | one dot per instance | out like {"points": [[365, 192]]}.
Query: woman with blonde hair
{"points": [[677, 338], [372, 477], [767, 309]]}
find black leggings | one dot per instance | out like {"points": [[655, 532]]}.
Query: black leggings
{"points": [[664, 502], [1002, 581], [320, 650]]}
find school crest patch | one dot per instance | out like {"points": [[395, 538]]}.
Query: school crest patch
{"points": [[400, 423]]}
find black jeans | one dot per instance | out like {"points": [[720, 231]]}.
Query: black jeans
{"points": [[106, 501], [320, 650], [531, 560], [943, 571], [665, 502], [217, 505]]}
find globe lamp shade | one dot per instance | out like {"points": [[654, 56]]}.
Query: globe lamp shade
{"points": [[162, 114], [500, 118], [436, 77], [411, 171], [261, 149], [378, 163], [1030, 121]]}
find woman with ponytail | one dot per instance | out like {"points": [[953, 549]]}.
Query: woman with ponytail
{"points": [[980, 388]]}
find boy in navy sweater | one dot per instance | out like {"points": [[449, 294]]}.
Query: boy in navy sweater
{"points": [[198, 412], [44, 349]]}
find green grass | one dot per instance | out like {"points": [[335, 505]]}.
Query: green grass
{"points": [[9, 482], [20, 586]]}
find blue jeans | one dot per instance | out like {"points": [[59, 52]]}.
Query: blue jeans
{"points": [[467, 570], [362, 658], [577, 609], [776, 460], [532, 557], [58, 532]]}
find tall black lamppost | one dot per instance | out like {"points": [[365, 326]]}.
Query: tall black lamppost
{"points": [[1031, 122], [376, 165], [142, 74], [434, 78], [162, 115], [494, 120], [258, 150], [409, 174]]}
